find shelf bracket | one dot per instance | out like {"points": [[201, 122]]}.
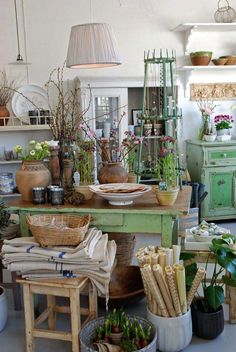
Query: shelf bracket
{"points": [[188, 36]]}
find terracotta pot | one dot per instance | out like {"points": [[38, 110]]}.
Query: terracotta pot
{"points": [[31, 174], [4, 113], [54, 165], [112, 173], [116, 337], [167, 197]]}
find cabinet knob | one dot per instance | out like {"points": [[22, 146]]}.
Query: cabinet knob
{"points": [[224, 155]]}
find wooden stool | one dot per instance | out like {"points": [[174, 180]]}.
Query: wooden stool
{"points": [[70, 288]]}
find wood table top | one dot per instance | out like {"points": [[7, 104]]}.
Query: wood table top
{"points": [[146, 203]]}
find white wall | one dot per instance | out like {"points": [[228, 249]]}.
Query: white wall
{"points": [[138, 24]]}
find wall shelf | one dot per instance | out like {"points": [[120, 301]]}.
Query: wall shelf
{"points": [[190, 28], [9, 162], [24, 128]]}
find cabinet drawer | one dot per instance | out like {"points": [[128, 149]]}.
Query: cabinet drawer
{"points": [[221, 156]]}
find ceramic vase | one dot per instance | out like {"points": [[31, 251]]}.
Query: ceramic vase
{"points": [[3, 308], [173, 334], [112, 173], [223, 132], [4, 114], [132, 177], [54, 165], [32, 174], [167, 197]]}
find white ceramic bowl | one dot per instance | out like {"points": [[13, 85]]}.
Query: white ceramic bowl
{"points": [[202, 237], [209, 137], [119, 198]]}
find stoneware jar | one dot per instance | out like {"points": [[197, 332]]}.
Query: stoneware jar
{"points": [[31, 174], [112, 173]]}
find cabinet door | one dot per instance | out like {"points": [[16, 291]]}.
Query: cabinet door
{"points": [[220, 185]]}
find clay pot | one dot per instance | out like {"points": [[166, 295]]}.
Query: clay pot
{"points": [[84, 189], [112, 173], [32, 174], [201, 58], [167, 197], [4, 113], [132, 177]]}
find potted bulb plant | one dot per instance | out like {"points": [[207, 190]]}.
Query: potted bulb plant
{"points": [[207, 311], [166, 172], [133, 333], [223, 124]]}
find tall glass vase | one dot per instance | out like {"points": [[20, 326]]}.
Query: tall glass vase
{"points": [[67, 163], [206, 126]]}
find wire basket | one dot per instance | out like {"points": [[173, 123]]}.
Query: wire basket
{"points": [[225, 14], [58, 229]]}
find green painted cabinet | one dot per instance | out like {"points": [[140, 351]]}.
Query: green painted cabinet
{"points": [[214, 165]]}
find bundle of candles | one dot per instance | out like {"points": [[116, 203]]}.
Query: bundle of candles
{"points": [[164, 281]]}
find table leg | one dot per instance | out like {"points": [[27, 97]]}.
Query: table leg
{"points": [[166, 230], [29, 317]]}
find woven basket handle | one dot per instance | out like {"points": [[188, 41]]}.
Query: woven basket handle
{"points": [[219, 4]]}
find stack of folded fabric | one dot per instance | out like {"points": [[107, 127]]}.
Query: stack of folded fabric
{"points": [[94, 257]]}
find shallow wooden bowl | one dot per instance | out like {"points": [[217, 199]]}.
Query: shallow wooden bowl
{"points": [[126, 286]]}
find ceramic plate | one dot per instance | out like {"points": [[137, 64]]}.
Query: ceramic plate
{"points": [[120, 198], [20, 105]]}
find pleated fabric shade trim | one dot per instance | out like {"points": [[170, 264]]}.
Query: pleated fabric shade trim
{"points": [[92, 45]]}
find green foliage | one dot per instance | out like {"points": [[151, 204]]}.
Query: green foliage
{"points": [[85, 162], [36, 151], [224, 250], [4, 215]]}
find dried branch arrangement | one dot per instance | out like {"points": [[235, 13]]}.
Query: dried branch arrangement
{"points": [[65, 105], [164, 281], [7, 88]]}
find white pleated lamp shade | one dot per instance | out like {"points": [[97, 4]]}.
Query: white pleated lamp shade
{"points": [[92, 45]]}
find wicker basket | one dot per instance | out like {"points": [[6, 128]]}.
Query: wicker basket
{"points": [[58, 229], [125, 247]]}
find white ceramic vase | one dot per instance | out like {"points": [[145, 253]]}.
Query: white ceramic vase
{"points": [[3, 308], [173, 334], [224, 131]]}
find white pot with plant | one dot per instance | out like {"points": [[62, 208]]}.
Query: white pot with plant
{"points": [[166, 172], [223, 124]]}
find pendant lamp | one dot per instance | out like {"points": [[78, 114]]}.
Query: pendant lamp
{"points": [[92, 45]]}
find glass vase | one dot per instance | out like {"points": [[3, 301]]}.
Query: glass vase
{"points": [[206, 126]]}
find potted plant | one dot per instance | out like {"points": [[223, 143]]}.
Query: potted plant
{"points": [[207, 311], [7, 88], [129, 149], [223, 123], [33, 172], [166, 172], [85, 167], [137, 333]]}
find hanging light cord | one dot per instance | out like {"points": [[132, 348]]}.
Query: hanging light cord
{"points": [[19, 57], [25, 40]]}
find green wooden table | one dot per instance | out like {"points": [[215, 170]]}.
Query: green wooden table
{"points": [[143, 216]]}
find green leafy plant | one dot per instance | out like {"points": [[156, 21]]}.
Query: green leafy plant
{"points": [[129, 149], [36, 151], [166, 169], [223, 254], [85, 162], [4, 215]]}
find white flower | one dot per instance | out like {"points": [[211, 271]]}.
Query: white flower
{"points": [[32, 152], [32, 142], [38, 146]]}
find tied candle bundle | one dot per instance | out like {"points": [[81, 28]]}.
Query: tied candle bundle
{"points": [[164, 281]]}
